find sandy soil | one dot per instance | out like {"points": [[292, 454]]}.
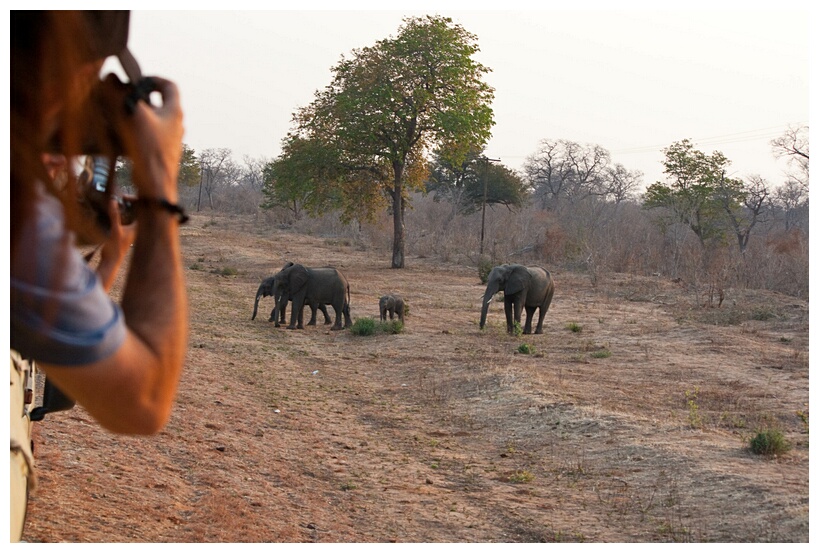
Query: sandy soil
{"points": [[445, 433]]}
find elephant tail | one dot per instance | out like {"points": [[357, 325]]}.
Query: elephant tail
{"points": [[550, 292]]}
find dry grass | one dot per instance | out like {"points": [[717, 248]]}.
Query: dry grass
{"points": [[444, 432]]}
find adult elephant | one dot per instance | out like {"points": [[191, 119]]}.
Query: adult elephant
{"points": [[266, 289], [529, 287], [312, 286]]}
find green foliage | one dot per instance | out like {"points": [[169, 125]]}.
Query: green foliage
{"points": [[601, 354], [387, 105], [574, 327], [694, 418], [526, 349], [697, 193], [365, 326], [485, 266], [521, 477], [769, 442], [517, 329], [465, 184], [393, 326], [227, 271], [189, 168], [300, 180]]}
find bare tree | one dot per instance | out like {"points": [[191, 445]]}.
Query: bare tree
{"points": [[218, 169], [792, 199], [566, 169], [745, 206], [794, 144], [253, 172], [622, 184]]}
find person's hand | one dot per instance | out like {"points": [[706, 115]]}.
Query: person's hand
{"points": [[152, 137], [115, 247]]}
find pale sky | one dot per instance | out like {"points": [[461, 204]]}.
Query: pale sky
{"points": [[631, 80]]}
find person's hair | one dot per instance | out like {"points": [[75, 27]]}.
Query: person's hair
{"points": [[48, 48]]}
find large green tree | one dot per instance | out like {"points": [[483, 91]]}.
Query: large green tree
{"points": [[697, 191], [388, 106], [475, 182], [300, 180]]}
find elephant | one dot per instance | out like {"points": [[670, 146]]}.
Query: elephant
{"points": [[266, 289], [312, 286], [529, 287], [392, 304]]}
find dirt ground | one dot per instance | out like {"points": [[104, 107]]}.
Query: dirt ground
{"points": [[628, 420]]}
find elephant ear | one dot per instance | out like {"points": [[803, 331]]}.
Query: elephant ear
{"points": [[267, 286], [298, 278], [516, 281]]}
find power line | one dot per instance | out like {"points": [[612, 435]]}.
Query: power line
{"points": [[744, 136]]}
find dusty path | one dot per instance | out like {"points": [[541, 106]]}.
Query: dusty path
{"points": [[445, 433]]}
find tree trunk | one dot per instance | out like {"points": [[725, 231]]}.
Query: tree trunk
{"points": [[398, 221]]}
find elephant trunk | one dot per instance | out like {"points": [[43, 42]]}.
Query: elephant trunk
{"points": [[487, 299], [256, 304]]}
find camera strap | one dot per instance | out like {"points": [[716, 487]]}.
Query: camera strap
{"points": [[142, 86]]}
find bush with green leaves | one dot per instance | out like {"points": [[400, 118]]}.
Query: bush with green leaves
{"points": [[526, 349], [769, 442], [393, 326], [485, 266], [367, 326]]}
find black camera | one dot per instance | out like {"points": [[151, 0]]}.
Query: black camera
{"points": [[94, 183]]}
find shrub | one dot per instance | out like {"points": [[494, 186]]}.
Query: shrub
{"points": [[762, 314], [365, 326], [769, 442], [601, 354], [526, 349], [393, 326], [227, 271], [484, 268], [574, 327], [521, 477]]}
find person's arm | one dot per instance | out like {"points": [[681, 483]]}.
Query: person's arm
{"points": [[133, 390]]}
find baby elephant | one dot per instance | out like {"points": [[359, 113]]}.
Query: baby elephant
{"points": [[392, 304]]}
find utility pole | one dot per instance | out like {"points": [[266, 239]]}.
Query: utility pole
{"points": [[201, 176], [486, 161]]}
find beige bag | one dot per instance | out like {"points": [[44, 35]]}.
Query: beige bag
{"points": [[23, 479]]}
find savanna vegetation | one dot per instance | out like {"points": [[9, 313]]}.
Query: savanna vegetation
{"points": [[397, 140], [639, 415]]}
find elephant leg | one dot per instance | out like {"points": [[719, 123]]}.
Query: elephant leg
{"points": [[348, 322], [314, 311], [327, 319], [277, 316], [510, 321], [527, 328], [296, 315], [540, 317], [339, 313], [518, 310]]}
